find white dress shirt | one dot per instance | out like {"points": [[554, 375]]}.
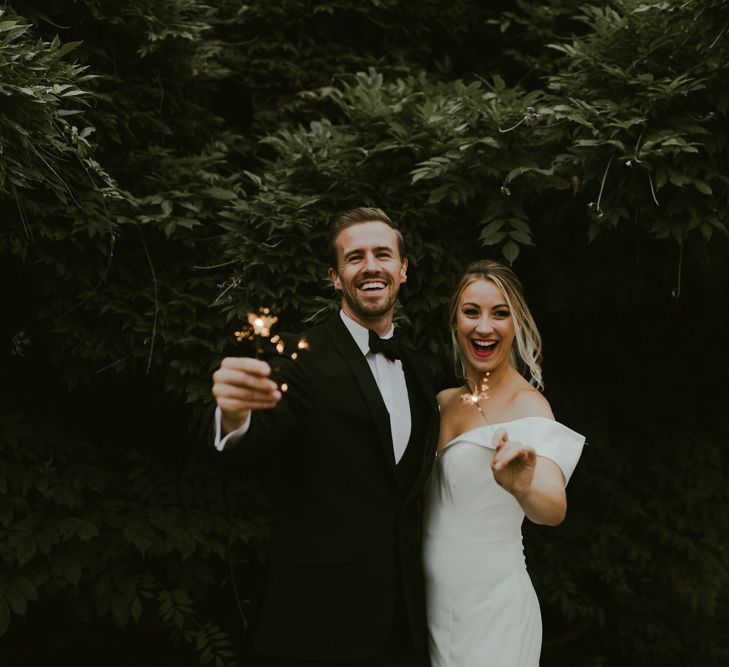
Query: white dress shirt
{"points": [[390, 379]]}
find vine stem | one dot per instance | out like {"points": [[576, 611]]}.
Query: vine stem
{"points": [[23, 219], [513, 127], [677, 290], [313, 317], [156, 301], [653, 192], [243, 618], [602, 185], [55, 173], [215, 266], [112, 364]]}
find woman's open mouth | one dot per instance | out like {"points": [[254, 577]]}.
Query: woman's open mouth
{"points": [[483, 348]]}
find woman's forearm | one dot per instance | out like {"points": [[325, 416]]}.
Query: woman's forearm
{"points": [[544, 503]]}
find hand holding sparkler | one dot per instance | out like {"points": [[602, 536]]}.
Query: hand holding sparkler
{"points": [[240, 385]]}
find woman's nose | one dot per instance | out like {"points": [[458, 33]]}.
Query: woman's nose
{"points": [[485, 326]]}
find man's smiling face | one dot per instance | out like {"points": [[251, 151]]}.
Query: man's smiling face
{"points": [[369, 271]]}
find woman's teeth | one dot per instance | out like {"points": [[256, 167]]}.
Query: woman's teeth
{"points": [[484, 346]]}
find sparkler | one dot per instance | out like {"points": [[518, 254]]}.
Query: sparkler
{"points": [[479, 393], [259, 326]]}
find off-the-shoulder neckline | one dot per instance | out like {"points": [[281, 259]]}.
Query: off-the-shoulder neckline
{"points": [[494, 426]]}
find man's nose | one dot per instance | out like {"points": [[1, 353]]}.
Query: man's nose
{"points": [[370, 262]]}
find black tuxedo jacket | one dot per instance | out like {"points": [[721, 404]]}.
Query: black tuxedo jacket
{"points": [[345, 519]]}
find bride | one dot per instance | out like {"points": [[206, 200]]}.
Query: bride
{"points": [[501, 456]]}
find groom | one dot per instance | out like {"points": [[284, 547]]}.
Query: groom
{"points": [[350, 445]]}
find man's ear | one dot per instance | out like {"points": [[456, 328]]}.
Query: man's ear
{"points": [[334, 277], [404, 270]]}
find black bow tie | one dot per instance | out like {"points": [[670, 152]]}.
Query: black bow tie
{"points": [[390, 347]]}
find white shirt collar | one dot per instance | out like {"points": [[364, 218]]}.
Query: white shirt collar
{"points": [[361, 334]]}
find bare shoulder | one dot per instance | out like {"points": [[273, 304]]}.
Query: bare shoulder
{"points": [[447, 395], [529, 402]]}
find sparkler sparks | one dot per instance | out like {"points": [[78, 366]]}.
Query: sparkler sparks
{"points": [[480, 393], [258, 327]]}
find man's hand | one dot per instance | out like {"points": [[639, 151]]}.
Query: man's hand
{"points": [[240, 385], [513, 464]]}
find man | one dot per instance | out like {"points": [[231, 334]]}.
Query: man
{"points": [[350, 446]]}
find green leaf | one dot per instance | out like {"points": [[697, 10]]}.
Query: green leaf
{"points": [[221, 193], [703, 187], [510, 251], [27, 549], [4, 609], [493, 238], [521, 237], [136, 609]]}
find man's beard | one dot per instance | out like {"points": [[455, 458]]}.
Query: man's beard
{"points": [[367, 311]]}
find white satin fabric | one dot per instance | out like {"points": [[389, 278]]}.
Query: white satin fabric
{"points": [[481, 605]]}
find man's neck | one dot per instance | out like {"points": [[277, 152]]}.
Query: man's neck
{"points": [[381, 324]]}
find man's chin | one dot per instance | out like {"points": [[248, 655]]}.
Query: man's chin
{"points": [[369, 311]]}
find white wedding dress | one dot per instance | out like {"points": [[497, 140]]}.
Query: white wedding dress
{"points": [[481, 605]]}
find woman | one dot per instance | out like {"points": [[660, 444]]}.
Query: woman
{"points": [[501, 456]]}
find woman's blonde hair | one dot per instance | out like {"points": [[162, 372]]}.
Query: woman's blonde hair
{"points": [[526, 353]]}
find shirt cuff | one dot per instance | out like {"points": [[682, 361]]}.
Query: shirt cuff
{"points": [[219, 442]]}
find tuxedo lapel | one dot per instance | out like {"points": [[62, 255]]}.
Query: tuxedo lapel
{"points": [[345, 345], [427, 395], [423, 380]]}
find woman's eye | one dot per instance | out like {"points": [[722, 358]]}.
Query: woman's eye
{"points": [[470, 312], [502, 313]]}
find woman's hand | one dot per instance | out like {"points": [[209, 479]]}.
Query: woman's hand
{"points": [[513, 464]]}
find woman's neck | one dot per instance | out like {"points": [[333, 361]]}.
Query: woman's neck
{"points": [[496, 379]]}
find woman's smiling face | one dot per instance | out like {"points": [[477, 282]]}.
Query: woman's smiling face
{"points": [[484, 327]]}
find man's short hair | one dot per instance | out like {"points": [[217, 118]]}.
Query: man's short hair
{"points": [[356, 216]]}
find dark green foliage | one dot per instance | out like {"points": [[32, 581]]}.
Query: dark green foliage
{"points": [[167, 166], [121, 537], [41, 98]]}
